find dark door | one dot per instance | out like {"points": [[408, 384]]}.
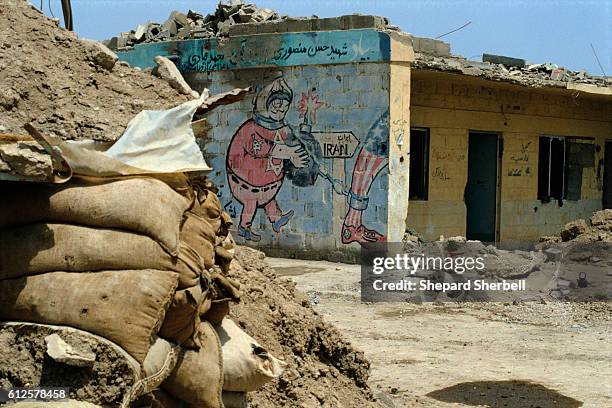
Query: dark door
{"points": [[607, 184], [481, 189]]}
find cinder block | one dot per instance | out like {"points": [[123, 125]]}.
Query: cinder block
{"points": [[345, 69], [357, 21], [328, 24], [298, 25], [237, 30], [431, 46], [507, 61]]}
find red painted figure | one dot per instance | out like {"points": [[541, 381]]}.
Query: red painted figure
{"points": [[255, 158]]}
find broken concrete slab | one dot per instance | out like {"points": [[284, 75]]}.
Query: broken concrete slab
{"points": [[167, 71], [572, 229], [140, 31], [431, 46], [602, 219], [27, 160], [63, 352], [507, 61], [100, 53]]}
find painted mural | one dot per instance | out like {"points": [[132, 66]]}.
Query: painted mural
{"points": [[266, 150]]}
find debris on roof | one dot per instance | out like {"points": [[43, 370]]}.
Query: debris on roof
{"points": [[532, 75], [195, 25]]}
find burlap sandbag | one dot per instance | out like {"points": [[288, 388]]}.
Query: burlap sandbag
{"points": [[233, 399], [208, 206], [225, 249], [198, 376], [183, 317], [223, 290], [246, 365], [143, 205], [39, 248], [157, 366], [199, 235], [162, 399], [126, 307]]}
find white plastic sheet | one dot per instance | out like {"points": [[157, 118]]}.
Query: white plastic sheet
{"points": [[153, 142]]}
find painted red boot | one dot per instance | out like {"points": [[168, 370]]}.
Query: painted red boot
{"points": [[360, 234]]}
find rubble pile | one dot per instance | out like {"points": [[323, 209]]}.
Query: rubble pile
{"points": [[195, 25], [597, 229], [533, 75], [323, 368]]}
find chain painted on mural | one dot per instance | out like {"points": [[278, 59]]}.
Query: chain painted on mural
{"points": [[265, 150]]}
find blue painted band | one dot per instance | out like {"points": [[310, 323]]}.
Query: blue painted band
{"points": [[266, 50]]}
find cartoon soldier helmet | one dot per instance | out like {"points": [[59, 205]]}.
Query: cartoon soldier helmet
{"points": [[272, 101]]}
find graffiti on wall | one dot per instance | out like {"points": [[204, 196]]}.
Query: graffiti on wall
{"points": [[292, 49], [265, 150]]}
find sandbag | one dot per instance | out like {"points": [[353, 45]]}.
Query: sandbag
{"points": [[143, 205], [198, 376], [157, 366], [183, 316], [208, 206], [216, 311], [225, 250], [126, 307], [161, 399], [39, 248], [246, 365], [199, 235], [223, 290], [233, 399]]}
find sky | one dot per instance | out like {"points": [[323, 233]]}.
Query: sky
{"points": [[559, 31]]}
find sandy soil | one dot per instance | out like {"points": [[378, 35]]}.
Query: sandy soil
{"points": [[522, 354]]}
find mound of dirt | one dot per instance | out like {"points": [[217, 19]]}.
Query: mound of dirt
{"points": [[24, 362], [324, 369], [63, 85]]}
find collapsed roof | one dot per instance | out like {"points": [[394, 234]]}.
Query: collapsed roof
{"points": [[238, 18]]}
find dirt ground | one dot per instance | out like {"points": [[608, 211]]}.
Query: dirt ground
{"points": [[324, 370], [543, 354]]}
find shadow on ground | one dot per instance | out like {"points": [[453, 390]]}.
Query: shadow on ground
{"points": [[507, 394]]}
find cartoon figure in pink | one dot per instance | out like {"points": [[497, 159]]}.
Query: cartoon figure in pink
{"points": [[256, 156]]}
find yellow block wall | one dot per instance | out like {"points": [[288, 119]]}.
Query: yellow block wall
{"points": [[451, 105]]}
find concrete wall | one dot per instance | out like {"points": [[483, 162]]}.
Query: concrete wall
{"points": [[451, 105], [348, 111], [331, 89]]}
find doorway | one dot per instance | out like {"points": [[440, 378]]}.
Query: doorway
{"points": [[607, 182], [481, 187]]}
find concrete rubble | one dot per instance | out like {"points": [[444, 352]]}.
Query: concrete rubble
{"points": [[101, 55], [235, 19], [238, 18], [515, 70], [597, 228], [63, 352], [195, 25], [167, 71]]}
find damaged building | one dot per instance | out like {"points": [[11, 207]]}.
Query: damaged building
{"points": [[356, 133]]}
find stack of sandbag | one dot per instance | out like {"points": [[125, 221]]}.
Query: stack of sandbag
{"points": [[128, 259]]}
